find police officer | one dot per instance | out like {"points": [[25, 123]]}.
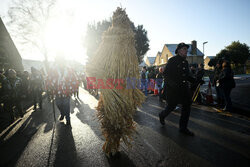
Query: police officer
{"points": [[176, 77]]}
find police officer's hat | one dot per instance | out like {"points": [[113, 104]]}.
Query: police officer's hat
{"points": [[181, 45]]}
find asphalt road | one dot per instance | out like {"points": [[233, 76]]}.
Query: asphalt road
{"points": [[241, 95], [221, 139]]}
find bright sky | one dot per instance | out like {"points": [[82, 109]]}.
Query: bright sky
{"points": [[167, 21]]}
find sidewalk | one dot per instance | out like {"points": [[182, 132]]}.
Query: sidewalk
{"points": [[5, 116]]}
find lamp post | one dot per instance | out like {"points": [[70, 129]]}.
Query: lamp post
{"points": [[203, 47]]}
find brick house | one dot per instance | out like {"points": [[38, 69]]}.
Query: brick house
{"points": [[206, 61]]}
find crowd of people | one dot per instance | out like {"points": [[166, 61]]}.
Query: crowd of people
{"points": [[222, 79], [18, 89]]}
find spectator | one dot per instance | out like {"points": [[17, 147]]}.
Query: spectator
{"points": [[199, 80], [215, 83], [159, 81], [13, 91], [36, 87], [227, 83], [144, 80], [26, 91]]}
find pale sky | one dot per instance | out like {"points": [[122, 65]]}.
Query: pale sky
{"points": [[167, 21]]}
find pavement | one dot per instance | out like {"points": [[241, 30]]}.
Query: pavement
{"points": [[221, 139]]}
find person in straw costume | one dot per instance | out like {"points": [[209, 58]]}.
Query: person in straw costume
{"points": [[115, 59]]}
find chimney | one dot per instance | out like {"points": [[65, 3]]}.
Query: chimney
{"points": [[194, 47]]}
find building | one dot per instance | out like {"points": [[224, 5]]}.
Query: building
{"points": [[149, 61], [206, 61], [157, 59], [194, 56], [142, 64], [9, 55]]}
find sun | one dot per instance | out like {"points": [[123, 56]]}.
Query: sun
{"points": [[63, 37]]}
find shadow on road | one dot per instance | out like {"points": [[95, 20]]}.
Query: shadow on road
{"points": [[66, 154], [199, 145], [14, 146], [88, 116], [122, 161]]}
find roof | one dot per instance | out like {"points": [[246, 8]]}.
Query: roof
{"points": [[172, 48], [210, 57], [142, 64], [151, 60]]}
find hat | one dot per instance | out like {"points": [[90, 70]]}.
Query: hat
{"points": [[181, 45]]}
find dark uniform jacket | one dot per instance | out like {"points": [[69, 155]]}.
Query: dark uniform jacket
{"points": [[176, 77]]}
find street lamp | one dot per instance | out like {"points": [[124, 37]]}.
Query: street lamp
{"points": [[203, 47]]}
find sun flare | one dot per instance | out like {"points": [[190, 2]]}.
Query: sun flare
{"points": [[63, 36]]}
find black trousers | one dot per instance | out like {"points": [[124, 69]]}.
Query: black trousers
{"points": [[227, 98], [37, 97], [185, 112]]}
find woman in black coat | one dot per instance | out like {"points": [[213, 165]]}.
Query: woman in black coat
{"points": [[226, 83]]}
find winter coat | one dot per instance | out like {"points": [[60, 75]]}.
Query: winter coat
{"points": [[176, 77], [226, 80]]}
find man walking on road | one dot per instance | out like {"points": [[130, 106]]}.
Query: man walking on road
{"points": [[176, 77]]}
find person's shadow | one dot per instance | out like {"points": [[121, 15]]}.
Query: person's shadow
{"points": [[16, 144], [122, 161], [88, 116], [66, 154]]}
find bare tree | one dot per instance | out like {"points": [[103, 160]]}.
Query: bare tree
{"points": [[27, 22]]}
